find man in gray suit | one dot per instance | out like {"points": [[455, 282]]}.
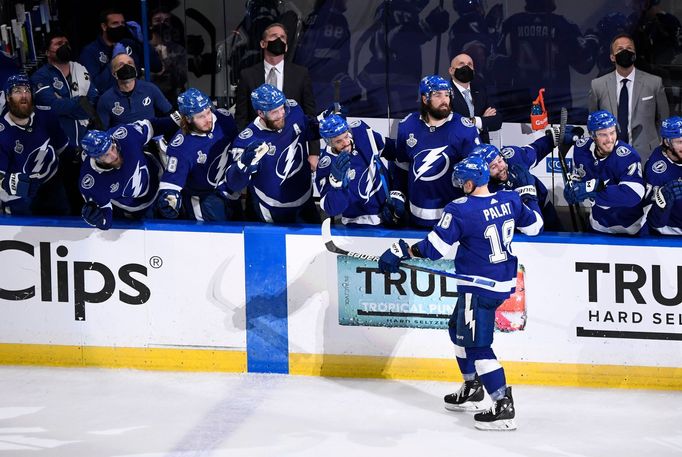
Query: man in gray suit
{"points": [[636, 97]]}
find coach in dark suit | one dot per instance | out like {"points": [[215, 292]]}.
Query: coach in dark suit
{"points": [[288, 77], [469, 97]]}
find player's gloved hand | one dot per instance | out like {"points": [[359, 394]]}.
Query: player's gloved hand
{"points": [[438, 20], [21, 185], [577, 191], [335, 108], [522, 181], [393, 211], [96, 216], [389, 262], [250, 158], [571, 135], [667, 194], [135, 30], [338, 173], [168, 203]]}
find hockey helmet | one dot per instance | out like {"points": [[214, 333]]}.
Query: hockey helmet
{"points": [[96, 143], [671, 128], [265, 98], [489, 152], [333, 126], [600, 120], [193, 101], [18, 79], [433, 83], [472, 168]]}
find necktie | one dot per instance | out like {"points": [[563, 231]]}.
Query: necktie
{"points": [[623, 112], [272, 77], [470, 103]]}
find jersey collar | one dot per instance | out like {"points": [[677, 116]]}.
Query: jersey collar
{"points": [[22, 127]]}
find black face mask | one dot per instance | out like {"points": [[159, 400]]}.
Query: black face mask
{"points": [[277, 47], [625, 58], [63, 53], [116, 34], [126, 72], [464, 74]]}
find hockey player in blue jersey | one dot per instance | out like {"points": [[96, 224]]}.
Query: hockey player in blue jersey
{"points": [[483, 224], [193, 184], [663, 177], [30, 143], [429, 143], [607, 174], [352, 179], [118, 178], [277, 177]]}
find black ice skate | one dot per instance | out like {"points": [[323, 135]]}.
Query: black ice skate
{"points": [[467, 398], [500, 416]]}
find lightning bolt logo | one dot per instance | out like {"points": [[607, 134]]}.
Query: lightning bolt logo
{"points": [[137, 186], [216, 172], [371, 184], [469, 319], [430, 157], [137, 181], [289, 155], [40, 162]]}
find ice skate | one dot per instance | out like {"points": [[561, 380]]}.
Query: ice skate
{"points": [[467, 398], [500, 416]]}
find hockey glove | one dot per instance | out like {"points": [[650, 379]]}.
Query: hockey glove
{"points": [[667, 194], [389, 262], [522, 181], [438, 20], [338, 173], [21, 185], [249, 159], [393, 211], [169, 203], [335, 108], [578, 191], [96, 216], [571, 135]]}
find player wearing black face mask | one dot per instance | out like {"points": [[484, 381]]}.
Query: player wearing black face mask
{"points": [[469, 97]]}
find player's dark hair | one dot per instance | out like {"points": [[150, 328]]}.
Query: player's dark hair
{"points": [[51, 36], [104, 14]]}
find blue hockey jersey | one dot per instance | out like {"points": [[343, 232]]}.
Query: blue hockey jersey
{"points": [[134, 186], [484, 227], [618, 207], [32, 149], [426, 155], [361, 202], [658, 171], [197, 161], [283, 181]]}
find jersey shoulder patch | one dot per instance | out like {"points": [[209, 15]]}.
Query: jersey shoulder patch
{"points": [[355, 123], [460, 200], [224, 111], [467, 122], [507, 152], [292, 102], [659, 166], [324, 162], [88, 181], [622, 151], [582, 142], [120, 133], [246, 134], [178, 140]]}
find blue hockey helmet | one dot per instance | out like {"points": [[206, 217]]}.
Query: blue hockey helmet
{"points": [[600, 120], [671, 128], [333, 126], [193, 101], [18, 79], [96, 143], [472, 168], [489, 152], [265, 98], [432, 83]]}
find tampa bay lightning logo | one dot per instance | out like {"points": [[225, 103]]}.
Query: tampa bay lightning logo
{"points": [[582, 142], [659, 167], [507, 153], [324, 162], [622, 151], [138, 184], [177, 141], [369, 183], [430, 164], [41, 161], [216, 171], [290, 161]]}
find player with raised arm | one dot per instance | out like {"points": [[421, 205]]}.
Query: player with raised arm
{"points": [[607, 174], [118, 178], [429, 144], [277, 176], [351, 177], [483, 223], [663, 177], [193, 184]]}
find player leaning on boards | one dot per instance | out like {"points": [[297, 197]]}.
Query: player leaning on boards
{"points": [[483, 223]]}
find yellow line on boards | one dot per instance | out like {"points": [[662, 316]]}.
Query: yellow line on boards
{"points": [[123, 357]]}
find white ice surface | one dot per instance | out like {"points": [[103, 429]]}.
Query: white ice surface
{"points": [[107, 413]]}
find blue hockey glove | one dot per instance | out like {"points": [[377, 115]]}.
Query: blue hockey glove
{"points": [[338, 173], [393, 211], [96, 216], [522, 181], [667, 194], [21, 185], [578, 191], [250, 158], [389, 262], [571, 134], [168, 203]]}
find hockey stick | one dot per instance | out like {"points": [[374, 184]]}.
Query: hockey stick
{"points": [[337, 96], [438, 39], [563, 150], [332, 247]]}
